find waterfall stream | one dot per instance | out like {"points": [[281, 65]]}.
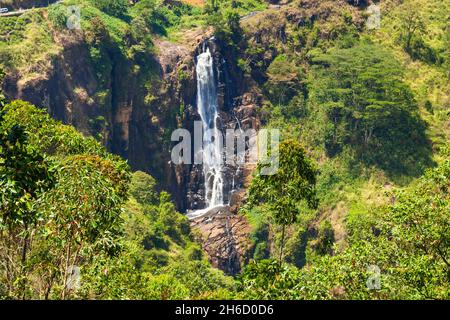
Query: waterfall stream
{"points": [[207, 105]]}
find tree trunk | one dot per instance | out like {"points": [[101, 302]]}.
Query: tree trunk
{"points": [[23, 261], [283, 231]]}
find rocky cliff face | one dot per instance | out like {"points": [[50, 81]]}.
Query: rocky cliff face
{"points": [[134, 113], [237, 111], [131, 112], [65, 89]]}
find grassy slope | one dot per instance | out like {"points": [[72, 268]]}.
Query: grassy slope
{"points": [[346, 198], [26, 44], [349, 198], [428, 83]]}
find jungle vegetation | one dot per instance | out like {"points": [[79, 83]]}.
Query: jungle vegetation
{"points": [[364, 186]]}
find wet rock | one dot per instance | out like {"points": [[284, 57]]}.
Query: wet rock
{"points": [[225, 239]]}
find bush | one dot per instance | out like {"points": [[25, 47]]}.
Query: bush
{"points": [[142, 188], [57, 14], [115, 8]]}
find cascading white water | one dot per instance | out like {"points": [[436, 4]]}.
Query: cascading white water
{"points": [[212, 150]]}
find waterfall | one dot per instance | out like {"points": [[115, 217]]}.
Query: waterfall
{"points": [[207, 104]]}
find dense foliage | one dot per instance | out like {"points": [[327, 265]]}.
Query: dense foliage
{"points": [[160, 259], [286, 190], [61, 202], [406, 242], [66, 215], [360, 96], [356, 101], [359, 207]]}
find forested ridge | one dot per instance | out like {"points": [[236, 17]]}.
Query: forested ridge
{"points": [[359, 207]]}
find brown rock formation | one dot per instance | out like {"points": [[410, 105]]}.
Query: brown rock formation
{"points": [[225, 238]]}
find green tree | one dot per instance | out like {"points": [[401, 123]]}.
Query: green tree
{"points": [[142, 188], [158, 257], [358, 100], [267, 280], [412, 24], [412, 33], [58, 15], [419, 224], [24, 175], [227, 27], [116, 8], [284, 192], [61, 197], [283, 80], [407, 240]]}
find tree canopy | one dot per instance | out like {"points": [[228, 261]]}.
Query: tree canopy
{"points": [[360, 95]]}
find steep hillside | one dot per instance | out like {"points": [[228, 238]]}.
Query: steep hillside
{"points": [[363, 112], [121, 89], [24, 4]]}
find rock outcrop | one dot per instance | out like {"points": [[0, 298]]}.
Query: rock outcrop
{"points": [[225, 238], [133, 113]]}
